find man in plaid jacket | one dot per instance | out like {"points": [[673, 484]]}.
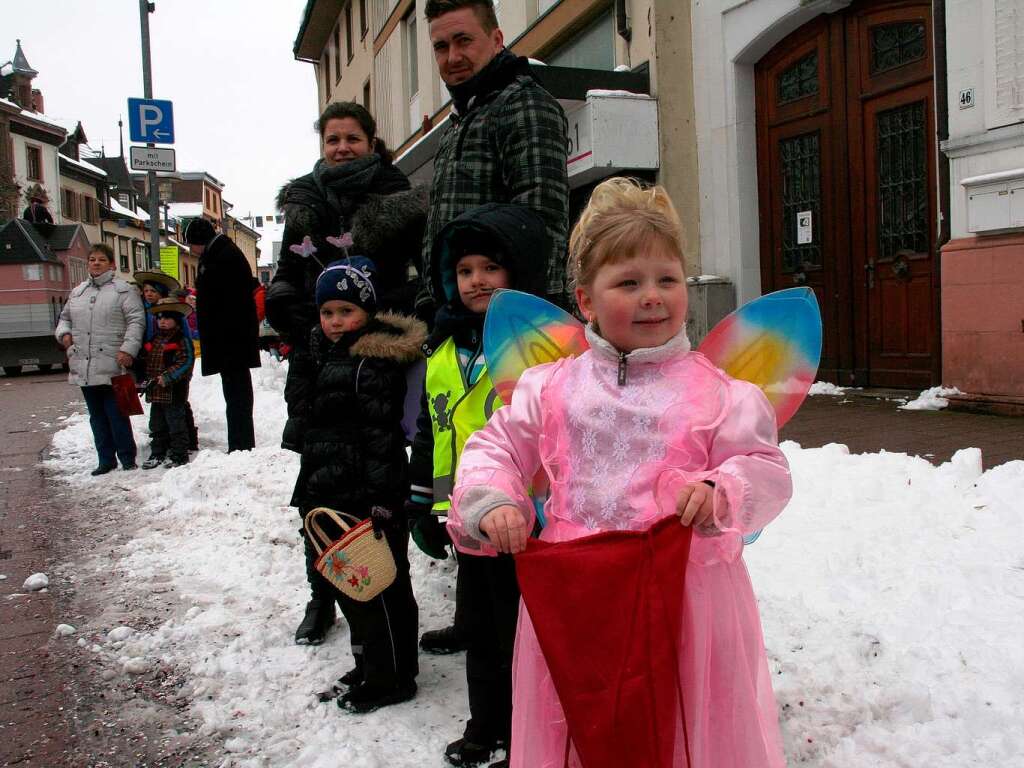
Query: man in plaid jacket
{"points": [[506, 139]]}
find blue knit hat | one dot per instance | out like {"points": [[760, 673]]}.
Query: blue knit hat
{"points": [[350, 280]]}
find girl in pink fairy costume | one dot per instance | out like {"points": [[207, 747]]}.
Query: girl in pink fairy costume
{"points": [[638, 428]]}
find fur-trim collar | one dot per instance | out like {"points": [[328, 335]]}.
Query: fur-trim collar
{"points": [[400, 339]]}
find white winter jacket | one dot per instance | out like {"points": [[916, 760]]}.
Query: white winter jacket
{"points": [[104, 316]]}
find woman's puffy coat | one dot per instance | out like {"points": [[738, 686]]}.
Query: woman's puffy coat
{"points": [[345, 403], [104, 316]]}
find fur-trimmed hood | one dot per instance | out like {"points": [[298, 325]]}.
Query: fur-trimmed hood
{"points": [[392, 337]]}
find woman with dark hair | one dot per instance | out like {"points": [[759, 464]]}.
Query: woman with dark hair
{"points": [[352, 189], [354, 202]]}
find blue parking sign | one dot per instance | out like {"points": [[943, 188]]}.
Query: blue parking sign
{"points": [[151, 121]]}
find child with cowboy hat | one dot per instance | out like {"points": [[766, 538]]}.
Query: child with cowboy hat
{"points": [[168, 359], [155, 285]]}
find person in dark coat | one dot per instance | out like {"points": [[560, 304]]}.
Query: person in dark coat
{"points": [[36, 211], [348, 390], [354, 189], [227, 320]]}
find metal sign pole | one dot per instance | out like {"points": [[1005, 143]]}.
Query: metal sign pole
{"points": [[145, 8]]}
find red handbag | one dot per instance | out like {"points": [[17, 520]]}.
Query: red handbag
{"points": [[607, 610], [125, 395]]}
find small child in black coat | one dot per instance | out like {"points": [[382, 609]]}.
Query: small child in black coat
{"points": [[347, 393], [167, 361]]}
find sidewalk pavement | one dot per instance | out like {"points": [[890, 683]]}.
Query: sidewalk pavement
{"points": [[35, 726], [868, 422]]}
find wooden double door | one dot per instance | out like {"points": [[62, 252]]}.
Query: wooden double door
{"points": [[846, 182]]}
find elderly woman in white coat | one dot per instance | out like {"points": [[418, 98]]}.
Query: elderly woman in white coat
{"points": [[101, 327]]}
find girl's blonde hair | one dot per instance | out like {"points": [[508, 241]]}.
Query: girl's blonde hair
{"points": [[621, 220]]}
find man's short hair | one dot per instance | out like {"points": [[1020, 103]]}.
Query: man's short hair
{"points": [[103, 248], [484, 11], [199, 232]]}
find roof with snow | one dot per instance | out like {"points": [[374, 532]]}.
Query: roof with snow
{"points": [[85, 166], [119, 210]]}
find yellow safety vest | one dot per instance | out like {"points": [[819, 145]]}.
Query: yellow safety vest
{"points": [[456, 412]]}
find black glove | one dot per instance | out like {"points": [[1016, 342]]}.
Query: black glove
{"points": [[427, 531]]}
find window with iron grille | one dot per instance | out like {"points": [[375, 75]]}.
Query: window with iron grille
{"points": [[902, 160], [893, 45], [800, 163], [798, 81]]}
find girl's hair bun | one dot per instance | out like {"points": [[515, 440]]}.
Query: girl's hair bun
{"points": [[621, 220]]}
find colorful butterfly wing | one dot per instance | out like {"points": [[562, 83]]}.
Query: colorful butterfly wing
{"points": [[774, 342], [522, 330]]}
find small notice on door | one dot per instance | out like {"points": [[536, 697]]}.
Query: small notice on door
{"points": [[804, 233]]}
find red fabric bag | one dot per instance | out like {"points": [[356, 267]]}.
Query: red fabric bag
{"points": [[607, 610], [259, 297], [125, 394]]}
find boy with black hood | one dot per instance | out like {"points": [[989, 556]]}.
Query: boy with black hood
{"points": [[347, 389], [493, 246]]}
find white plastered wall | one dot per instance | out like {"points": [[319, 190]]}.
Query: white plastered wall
{"points": [[51, 172], [983, 138], [729, 38]]}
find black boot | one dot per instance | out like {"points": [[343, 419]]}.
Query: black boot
{"points": [[465, 752], [318, 619], [366, 698], [443, 641]]}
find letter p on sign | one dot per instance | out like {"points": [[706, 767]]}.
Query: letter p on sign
{"points": [[151, 121]]}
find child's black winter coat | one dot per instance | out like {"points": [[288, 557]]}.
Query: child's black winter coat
{"points": [[347, 400]]}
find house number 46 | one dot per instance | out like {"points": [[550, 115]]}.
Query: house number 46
{"points": [[966, 98]]}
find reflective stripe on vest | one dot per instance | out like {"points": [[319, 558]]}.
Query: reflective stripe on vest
{"points": [[455, 414]]}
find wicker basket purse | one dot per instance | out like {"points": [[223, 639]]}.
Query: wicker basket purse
{"points": [[359, 564]]}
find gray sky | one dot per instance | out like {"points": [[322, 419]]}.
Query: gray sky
{"points": [[243, 107]]}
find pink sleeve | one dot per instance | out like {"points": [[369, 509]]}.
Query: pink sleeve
{"points": [[750, 472], [498, 463]]}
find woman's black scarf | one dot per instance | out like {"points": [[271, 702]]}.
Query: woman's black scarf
{"points": [[343, 187]]}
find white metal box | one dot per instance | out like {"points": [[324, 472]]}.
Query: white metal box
{"points": [[995, 201], [613, 131]]}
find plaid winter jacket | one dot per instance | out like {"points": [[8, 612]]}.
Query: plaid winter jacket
{"points": [[509, 146], [171, 355]]}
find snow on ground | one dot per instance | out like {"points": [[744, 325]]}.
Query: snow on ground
{"points": [[933, 399], [891, 591], [825, 388]]}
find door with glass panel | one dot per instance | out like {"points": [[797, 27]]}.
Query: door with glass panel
{"points": [[846, 173]]}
